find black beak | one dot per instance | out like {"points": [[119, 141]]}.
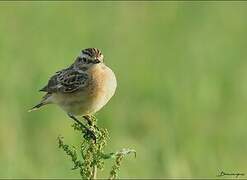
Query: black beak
{"points": [[96, 61]]}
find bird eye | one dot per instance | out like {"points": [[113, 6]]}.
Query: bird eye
{"points": [[84, 60]]}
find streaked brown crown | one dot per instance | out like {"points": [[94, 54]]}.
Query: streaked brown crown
{"points": [[92, 52]]}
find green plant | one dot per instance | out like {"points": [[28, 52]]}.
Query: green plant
{"points": [[92, 155]]}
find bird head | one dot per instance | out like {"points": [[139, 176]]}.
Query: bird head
{"points": [[88, 58]]}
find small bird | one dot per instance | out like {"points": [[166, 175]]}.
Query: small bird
{"points": [[83, 88]]}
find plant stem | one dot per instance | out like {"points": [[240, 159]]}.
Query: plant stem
{"points": [[92, 153], [95, 172]]}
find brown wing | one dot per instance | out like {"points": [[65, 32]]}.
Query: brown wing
{"points": [[66, 81]]}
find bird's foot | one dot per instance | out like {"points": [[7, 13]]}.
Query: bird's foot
{"points": [[88, 132], [91, 120]]}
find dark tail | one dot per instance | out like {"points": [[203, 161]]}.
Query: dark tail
{"points": [[45, 100], [36, 107]]}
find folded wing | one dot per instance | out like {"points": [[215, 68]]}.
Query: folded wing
{"points": [[66, 81]]}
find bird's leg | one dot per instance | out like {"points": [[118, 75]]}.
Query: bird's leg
{"points": [[79, 122], [90, 121], [88, 131]]}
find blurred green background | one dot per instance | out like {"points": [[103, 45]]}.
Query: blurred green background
{"points": [[182, 85]]}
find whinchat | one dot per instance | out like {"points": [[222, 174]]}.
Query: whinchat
{"points": [[83, 88]]}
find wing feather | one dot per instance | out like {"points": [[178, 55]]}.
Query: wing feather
{"points": [[66, 81]]}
